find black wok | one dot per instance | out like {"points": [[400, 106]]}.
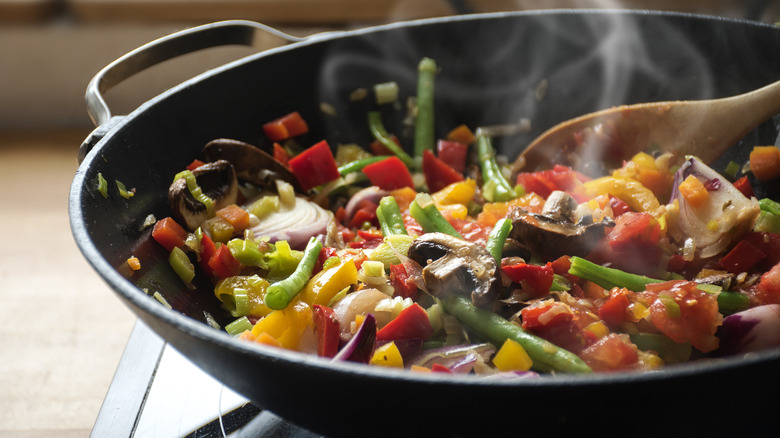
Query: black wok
{"points": [[492, 66]]}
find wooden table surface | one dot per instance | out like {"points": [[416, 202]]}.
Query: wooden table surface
{"points": [[63, 330]]}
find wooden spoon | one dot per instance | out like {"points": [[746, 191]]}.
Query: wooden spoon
{"points": [[704, 128]]}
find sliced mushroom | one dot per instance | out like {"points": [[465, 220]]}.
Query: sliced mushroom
{"points": [[252, 164], [455, 266], [549, 238], [217, 180], [559, 206]]}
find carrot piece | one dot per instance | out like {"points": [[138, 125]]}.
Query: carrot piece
{"points": [[134, 263], [693, 190], [237, 216], [284, 127], [265, 338], [765, 162], [462, 134], [169, 234], [280, 154]]}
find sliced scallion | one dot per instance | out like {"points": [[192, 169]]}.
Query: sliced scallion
{"points": [[238, 326], [102, 185]]}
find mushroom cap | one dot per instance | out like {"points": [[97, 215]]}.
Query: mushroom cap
{"points": [[456, 266], [548, 238], [251, 163], [217, 180]]}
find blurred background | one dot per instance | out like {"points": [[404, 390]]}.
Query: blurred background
{"points": [[63, 331]]}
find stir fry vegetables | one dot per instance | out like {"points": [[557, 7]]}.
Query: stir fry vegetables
{"points": [[447, 261]]}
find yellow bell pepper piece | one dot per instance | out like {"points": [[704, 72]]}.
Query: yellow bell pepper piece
{"points": [[286, 326], [512, 357], [461, 192], [403, 197], [632, 192], [321, 288], [255, 287], [388, 355]]}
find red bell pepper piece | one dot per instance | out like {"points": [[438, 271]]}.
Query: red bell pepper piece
{"points": [[280, 154], [439, 368], [325, 253], [224, 264], [207, 251], [742, 257], [769, 243], [326, 327], [634, 230], [614, 310], [438, 174], [284, 127], [402, 282], [195, 164], [545, 182], [314, 166], [618, 206], [366, 212], [535, 279], [168, 233], [744, 186], [453, 153], [389, 174], [378, 148], [411, 323]]}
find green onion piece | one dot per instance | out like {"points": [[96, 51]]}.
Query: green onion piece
{"points": [[181, 265], [769, 205], [238, 326], [194, 188], [497, 238], [731, 170], [380, 134], [709, 288], [608, 277], [281, 293], [264, 206], [241, 301], [123, 192], [424, 136], [732, 302], [247, 252], [386, 92], [341, 294], [102, 185], [767, 222], [671, 306]]}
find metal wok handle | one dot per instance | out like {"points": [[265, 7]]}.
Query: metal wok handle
{"points": [[222, 33]]}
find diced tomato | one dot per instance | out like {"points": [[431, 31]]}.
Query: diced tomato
{"points": [[536, 183], [768, 289], [634, 229], [326, 327], [207, 251], [472, 231], [168, 233], [744, 186], [537, 316], [411, 323], [280, 154], [438, 174], [389, 174], [614, 311], [411, 225], [224, 264], [314, 166], [742, 257], [195, 164], [534, 279], [684, 313], [403, 283], [284, 127], [453, 153], [613, 352]]}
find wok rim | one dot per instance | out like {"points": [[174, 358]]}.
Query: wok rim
{"points": [[134, 297]]}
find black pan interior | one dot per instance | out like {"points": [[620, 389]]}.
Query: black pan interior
{"points": [[491, 68]]}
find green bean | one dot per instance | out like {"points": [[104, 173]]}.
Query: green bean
{"points": [[423, 125], [424, 211], [546, 356], [391, 215], [281, 293], [732, 302], [609, 277], [497, 238], [358, 165], [495, 188], [380, 133]]}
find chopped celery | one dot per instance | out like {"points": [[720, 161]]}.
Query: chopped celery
{"points": [[238, 326], [102, 185], [181, 265], [123, 192], [767, 222], [732, 169], [388, 251], [240, 302], [264, 206]]}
